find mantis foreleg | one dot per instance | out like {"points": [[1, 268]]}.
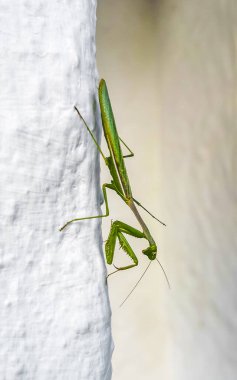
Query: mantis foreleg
{"points": [[118, 229]]}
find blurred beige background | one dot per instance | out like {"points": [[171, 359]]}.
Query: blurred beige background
{"points": [[171, 71]]}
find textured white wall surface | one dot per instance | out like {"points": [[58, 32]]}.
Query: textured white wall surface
{"points": [[55, 313], [172, 78]]}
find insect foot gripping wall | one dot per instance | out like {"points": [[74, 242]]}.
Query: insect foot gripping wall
{"points": [[55, 313]]}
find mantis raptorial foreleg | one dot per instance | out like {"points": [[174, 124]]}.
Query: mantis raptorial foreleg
{"points": [[117, 230]]}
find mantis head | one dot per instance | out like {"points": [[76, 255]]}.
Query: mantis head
{"points": [[150, 252]]}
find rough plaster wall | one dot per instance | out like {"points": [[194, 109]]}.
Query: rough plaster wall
{"points": [[172, 78], [55, 313]]}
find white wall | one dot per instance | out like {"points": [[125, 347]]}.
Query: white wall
{"points": [[171, 70], [55, 313]]}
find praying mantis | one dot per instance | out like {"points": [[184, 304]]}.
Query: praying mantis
{"points": [[120, 184]]}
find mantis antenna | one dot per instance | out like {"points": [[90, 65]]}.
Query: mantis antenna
{"points": [[143, 274], [166, 277]]}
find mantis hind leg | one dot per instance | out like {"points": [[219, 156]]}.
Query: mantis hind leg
{"points": [[118, 229], [92, 135], [127, 155], [109, 186]]}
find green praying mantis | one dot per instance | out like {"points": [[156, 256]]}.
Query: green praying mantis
{"points": [[120, 184]]}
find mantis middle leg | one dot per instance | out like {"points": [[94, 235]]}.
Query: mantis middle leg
{"points": [[105, 185]]}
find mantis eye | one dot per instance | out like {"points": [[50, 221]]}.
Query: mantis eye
{"points": [[150, 252]]}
